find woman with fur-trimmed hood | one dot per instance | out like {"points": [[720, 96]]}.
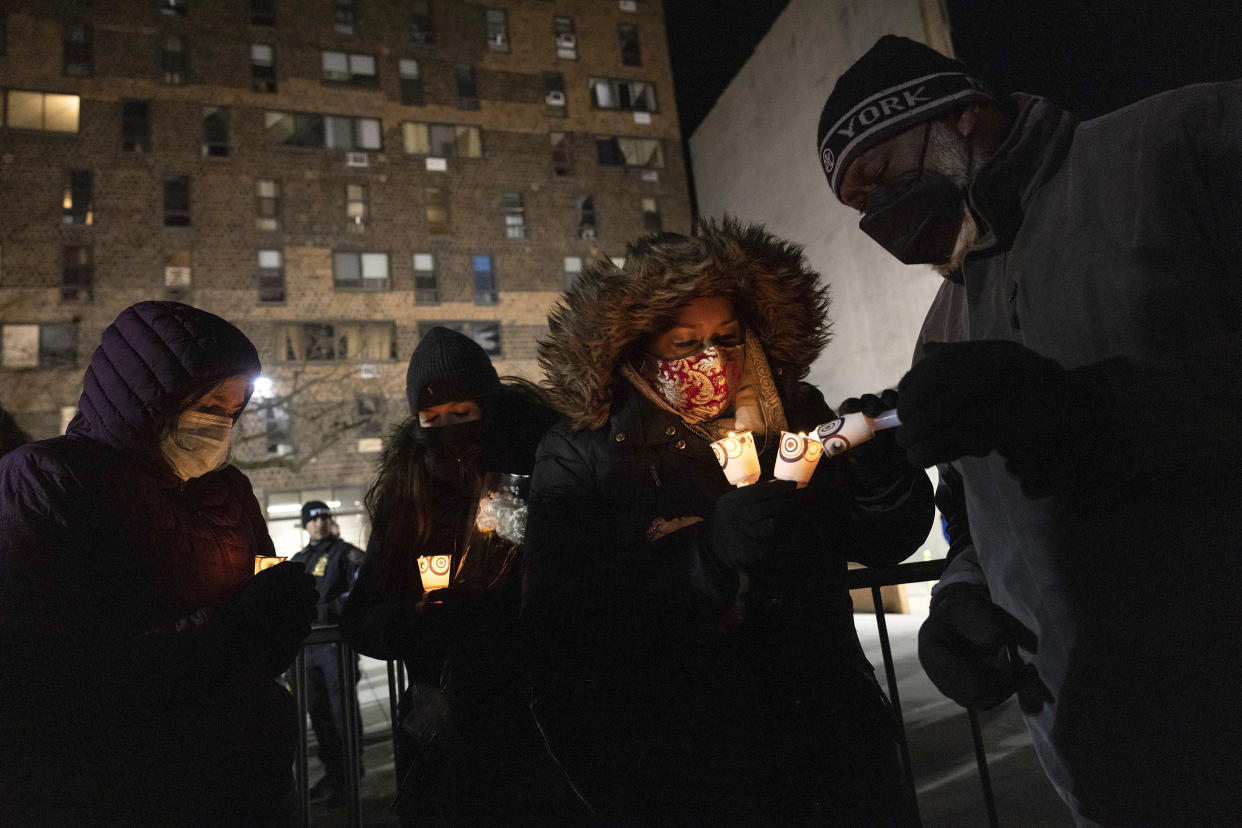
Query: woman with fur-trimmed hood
{"points": [[694, 646]]}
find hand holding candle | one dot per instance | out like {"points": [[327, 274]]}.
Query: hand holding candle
{"points": [[737, 457]]}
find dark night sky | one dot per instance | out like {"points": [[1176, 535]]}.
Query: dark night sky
{"points": [[1090, 56]]}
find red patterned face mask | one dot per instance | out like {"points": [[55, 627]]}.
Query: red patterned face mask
{"points": [[699, 386]]}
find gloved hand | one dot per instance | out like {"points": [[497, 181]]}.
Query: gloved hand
{"points": [[450, 613], [962, 647], [743, 522], [878, 463], [270, 615], [972, 398]]}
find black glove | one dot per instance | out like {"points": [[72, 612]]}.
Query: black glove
{"points": [[972, 398], [743, 522], [962, 647], [878, 463], [270, 615]]}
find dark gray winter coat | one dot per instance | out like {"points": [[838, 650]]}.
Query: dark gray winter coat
{"points": [[120, 702], [1116, 244]]}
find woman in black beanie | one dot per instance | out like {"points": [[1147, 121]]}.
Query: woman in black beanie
{"points": [[468, 753]]}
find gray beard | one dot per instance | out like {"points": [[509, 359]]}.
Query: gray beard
{"points": [[953, 156]]}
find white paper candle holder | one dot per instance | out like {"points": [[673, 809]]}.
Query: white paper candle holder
{"points": [[737, 457], [434, 571], [797, 458]]}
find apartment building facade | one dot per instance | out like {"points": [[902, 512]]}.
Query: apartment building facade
{"points": [[334, 177]]}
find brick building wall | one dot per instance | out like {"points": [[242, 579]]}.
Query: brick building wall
{"points": [[130, 245]]}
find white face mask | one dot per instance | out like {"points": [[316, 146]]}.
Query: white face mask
{"points": [[199, 444]]}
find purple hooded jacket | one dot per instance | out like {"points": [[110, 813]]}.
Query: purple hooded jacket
{"points": [[121, 699]]}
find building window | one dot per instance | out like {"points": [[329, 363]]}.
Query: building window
{"points": [[215, 132], [308, 129], [631, 52], [467, 86], [271, 276], [263, 12], [79, 49], [337, 341], [174, 60], [651, 215], [267, 204], [587, 227], [53, 345], [486, 334], [356, 205], [135, 126], [4, 34], [554, 94], [177, 201], [178, 277], [562, 158], [566, 38], [631, 95], [276, 429], [78, 202], [262, 68], [174, 8], [77, 273], [344, 17], [437, 211], [442, 140], [411, 83], [611, 150], [359, 271], [43, 111], [426, 291], [484, 281], [573, 270], [354, 69], [515, 215], [370, 414], [497, 23], [422, 24]]}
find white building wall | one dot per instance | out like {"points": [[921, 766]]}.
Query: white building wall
{"points": [[754, 157]]}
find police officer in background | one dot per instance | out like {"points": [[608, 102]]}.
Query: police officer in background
{"points": [[334, 563]]}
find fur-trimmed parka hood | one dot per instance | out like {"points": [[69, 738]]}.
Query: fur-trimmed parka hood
{"points": [[602, 318]]}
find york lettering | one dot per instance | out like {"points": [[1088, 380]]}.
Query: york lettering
{"points": [[913, 98], [869, 116]]}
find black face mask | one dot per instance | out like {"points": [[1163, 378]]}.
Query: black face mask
{"points": [[916, 216], [462, 441]]}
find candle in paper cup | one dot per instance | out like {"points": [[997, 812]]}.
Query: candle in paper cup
{"points": [[842, 434], [262, 562], [434, 571], [848, 430], [737, 457], [797, 458]]}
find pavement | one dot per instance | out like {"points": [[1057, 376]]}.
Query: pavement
{"points": [[937, 730]]}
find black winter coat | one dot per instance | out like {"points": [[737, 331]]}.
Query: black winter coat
{"points": [[661, 700]]}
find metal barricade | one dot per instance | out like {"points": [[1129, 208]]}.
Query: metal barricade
{"points": [[874, 578], [351, 738]]}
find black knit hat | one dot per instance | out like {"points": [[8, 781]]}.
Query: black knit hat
{"points": [[312, 509], [898, 83], [448, 366]]}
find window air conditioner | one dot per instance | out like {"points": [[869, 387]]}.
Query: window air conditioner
{"points": [[356, 159], [566, 40], [555, 98]]}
